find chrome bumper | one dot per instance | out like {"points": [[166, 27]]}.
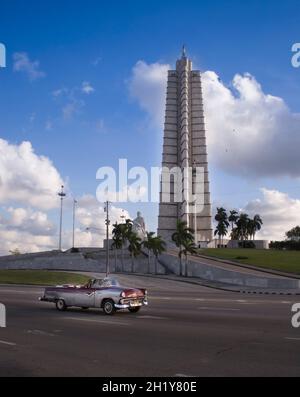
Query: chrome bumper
{"points": [[128, 305]]}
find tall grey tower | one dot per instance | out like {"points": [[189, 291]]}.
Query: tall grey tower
{"points": [[185, 147]]}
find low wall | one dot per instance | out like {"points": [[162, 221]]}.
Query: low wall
{"points": [[168, 264], [79, 262], [227, 276]]}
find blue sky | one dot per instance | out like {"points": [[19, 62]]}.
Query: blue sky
{"points": [[100, 43]]}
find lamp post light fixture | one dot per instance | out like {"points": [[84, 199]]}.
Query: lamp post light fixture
{"points": [[62, 195], [123, 217]]}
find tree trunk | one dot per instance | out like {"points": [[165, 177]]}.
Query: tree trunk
{"points": [[132, 263], [148, 261], [180, 262], [115, 260], [122, 259], [186, 266], [155, 264]]}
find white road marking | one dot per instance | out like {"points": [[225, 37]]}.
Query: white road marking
{"points": [[287, 338], [33, 292], [152, 317], [38, 332], [7, 343], [183, 376], [219, 308], [95, 321], [252, 302]]}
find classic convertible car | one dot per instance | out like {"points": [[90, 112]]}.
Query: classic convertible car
{"points": [[97, 293]]}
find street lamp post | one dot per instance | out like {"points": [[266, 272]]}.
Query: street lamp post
{"points": [[194, 173], [62, 195], [107, 222], [74, 213]]}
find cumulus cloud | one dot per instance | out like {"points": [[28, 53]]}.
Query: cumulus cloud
{"points": [[26, 177], [279, 212], [250, 133], [28, 220], [90, 214], [87, 88], [25, 229], [148, 86], [22, 63]]}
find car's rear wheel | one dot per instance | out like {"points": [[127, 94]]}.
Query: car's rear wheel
{"points": [[108, 307], [134, 309], [61, 305]]}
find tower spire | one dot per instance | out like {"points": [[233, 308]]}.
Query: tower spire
{"points": [[183, 51]]}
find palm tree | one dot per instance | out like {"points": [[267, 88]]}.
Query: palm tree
{"points": [[189, 247], [294, 233], [233, 217], [117, 241], [125, 230], [221, 231], [182, 235], [257, 224], [223, 224], [242, 226], [149, 243], [134, 247], [158, 247], [251, 229]]}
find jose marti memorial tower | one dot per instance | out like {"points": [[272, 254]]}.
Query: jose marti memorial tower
{"points": [[185, 147]]}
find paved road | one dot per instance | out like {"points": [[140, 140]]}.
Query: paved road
{"points": [[187, 329]]}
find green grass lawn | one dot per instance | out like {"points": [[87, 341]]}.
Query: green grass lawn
{"points": [[40, 277], [285, 261]]}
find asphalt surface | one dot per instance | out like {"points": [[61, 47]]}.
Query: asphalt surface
{"points": [[187, 330]]}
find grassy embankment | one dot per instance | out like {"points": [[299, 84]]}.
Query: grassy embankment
{"points": [[40, 277], [285, 261]]}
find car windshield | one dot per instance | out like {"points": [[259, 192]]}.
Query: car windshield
{"points": [[106, 282]]}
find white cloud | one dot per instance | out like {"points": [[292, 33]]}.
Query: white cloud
{"points": [[249, 133], [26, 177], [87, 88], [279, 213], [70, 99], [28, 220], [148, 86], [22, 63], [90, 214], [25, 229]]}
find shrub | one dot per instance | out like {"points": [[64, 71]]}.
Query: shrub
{"points": [[285, 245], [246, 244]]}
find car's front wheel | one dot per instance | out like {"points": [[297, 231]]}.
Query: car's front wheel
{"points": [[134, 309], [61, 305], [108, 307]]}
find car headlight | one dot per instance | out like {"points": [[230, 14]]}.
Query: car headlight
{"points": [[122, 295]]}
